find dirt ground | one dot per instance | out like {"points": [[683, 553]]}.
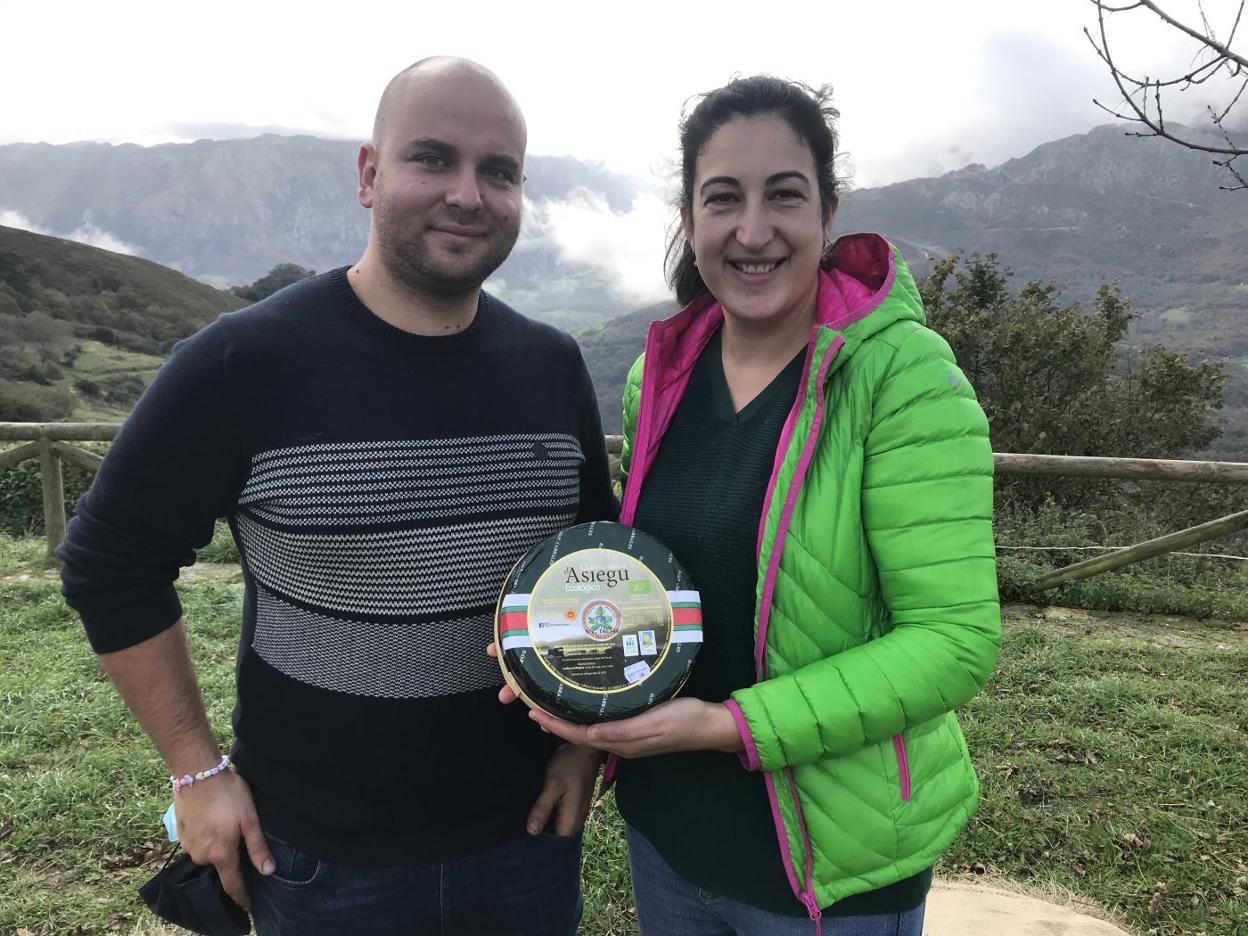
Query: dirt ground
{"points": [[1163, 630], [997, 908]]}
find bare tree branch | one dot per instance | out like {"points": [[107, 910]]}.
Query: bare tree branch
{"points": [[1218, 118], [1206, 38], [1144, 98]]}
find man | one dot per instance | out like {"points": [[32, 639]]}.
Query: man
{"points": [[386, 441]]}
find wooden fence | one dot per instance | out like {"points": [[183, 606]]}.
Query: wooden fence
{"points": [[48, 442]]}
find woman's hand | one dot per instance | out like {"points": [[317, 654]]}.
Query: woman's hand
{"points": [[679, 725]]}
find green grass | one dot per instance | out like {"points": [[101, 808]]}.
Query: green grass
{"points": [[1164, 585], [1113, 766], [1186, 584], [222, 548], [23, 555], [98, 360], [1111, 748]]}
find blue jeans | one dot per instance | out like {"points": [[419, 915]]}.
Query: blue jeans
{"points": [[527, 887], [668, 905]]}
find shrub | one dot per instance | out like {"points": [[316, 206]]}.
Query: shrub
{"points": [[27, 402], [120, 389], [1056, 379]]}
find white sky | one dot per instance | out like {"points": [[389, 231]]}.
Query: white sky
{"points": [[923, 86]]}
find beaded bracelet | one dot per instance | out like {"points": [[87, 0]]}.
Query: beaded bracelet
{"points": [[181, 783]]}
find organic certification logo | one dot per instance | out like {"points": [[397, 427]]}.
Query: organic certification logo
{"points": [[601, 619]]}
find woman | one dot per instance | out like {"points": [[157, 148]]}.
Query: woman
{"points": [[821, 467]]}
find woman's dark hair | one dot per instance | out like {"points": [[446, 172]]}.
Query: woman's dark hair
{"points": [[807, 110]]}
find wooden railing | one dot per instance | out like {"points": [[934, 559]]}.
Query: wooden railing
{"points": [[48, 443], [1133, 469]]}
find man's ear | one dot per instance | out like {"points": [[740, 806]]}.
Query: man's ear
{"points": [[367, 164]]}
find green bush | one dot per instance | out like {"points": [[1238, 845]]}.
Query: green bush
{"points": [[27, 402], [1061, 379], [21, 495], [120, 389], [277, 278]]}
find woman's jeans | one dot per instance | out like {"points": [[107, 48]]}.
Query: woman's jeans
{"points": [[527, 887], [668, 905]]}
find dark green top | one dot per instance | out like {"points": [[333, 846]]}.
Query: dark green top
{"points": [[706, 814]]}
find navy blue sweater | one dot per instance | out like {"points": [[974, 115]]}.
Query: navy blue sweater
{"points": [[380, 486]]}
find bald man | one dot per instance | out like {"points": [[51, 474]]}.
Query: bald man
{"points": [[386, 440]]}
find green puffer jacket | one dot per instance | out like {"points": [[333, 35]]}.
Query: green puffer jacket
{"points": [[877, 610]]}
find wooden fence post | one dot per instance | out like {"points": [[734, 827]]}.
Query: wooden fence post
{"points": [[53, 493]]}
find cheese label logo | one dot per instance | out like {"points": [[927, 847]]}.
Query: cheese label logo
{"points": [[601, 619]]}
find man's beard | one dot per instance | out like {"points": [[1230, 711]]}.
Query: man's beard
{"points": [[409, 263]]}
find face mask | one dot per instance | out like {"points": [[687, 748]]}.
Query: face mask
{"points": [[191, 896]]}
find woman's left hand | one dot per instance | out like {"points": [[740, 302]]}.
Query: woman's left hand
{"points": [[679, 725]]}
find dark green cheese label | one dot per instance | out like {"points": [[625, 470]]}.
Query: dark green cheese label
{"points": [[598, 622]]}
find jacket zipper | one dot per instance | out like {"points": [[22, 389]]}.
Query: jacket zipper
{"points": [[805, 891], [903, 766]]}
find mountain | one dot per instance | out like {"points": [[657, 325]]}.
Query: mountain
{"points": [[227, 211], [1087, 209]]}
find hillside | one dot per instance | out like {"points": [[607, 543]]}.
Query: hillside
{"points": [[610, 350], [82, 329], [146, 306]]}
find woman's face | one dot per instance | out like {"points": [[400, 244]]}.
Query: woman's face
{"points": [[755, 222]]}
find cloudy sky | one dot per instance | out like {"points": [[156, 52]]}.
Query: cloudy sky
{"points": [[923, 87]]}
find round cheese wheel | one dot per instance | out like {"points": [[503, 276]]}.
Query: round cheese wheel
{"points": [[596, 623]]}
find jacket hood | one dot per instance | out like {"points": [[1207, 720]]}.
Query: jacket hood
{"points": [[865, 286]]}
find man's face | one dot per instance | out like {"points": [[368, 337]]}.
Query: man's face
{"points": [[444, 182]]}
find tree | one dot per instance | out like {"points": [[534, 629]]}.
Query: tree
{"points": [[1057, 379], [280, 276], [1144, 99]]}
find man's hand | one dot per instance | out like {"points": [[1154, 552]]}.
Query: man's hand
{"points": [[157, 680], [679, 725], [570, 775], [506, 695], [214, 816]]}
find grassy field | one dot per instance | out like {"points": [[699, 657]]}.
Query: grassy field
{"points": [[98, 362], [1112, 750]]}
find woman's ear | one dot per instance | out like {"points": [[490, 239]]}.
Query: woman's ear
{"points": [[686, 225]]}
